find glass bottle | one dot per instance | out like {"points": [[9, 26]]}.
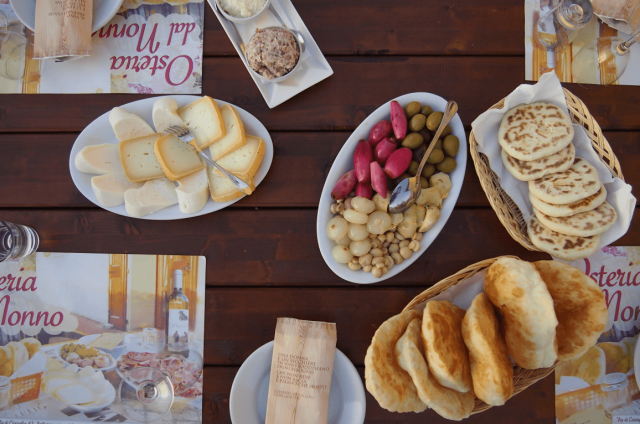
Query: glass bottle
{"points": [[615, 387], [177, 335]]}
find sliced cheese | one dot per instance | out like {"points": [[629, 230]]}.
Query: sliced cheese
{"points": [[153, 196], [246, 159], [52, 384], [74, 394], [127, 125], [165, 114], [109, 189], [193, 192], [177, 158], [99, 159], [59, 374], [223, 190], [204, 120], [139, 160], [234, 137]]}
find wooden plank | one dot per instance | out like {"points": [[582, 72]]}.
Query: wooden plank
{"points": [[37, 174], [411, 27], [358, 87], [529, 407], [269, 247]]}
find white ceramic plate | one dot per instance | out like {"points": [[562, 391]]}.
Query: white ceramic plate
{"points": [[344, 163], [103, 11], [313, 66], [100, 131], [112, 361], [250, 390], [111, 396]]}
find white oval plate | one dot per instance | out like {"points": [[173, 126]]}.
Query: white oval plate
{"points": [[103, 11], [250, 390], [108, 401], [100, 131], [344, 163], [112, 361]]}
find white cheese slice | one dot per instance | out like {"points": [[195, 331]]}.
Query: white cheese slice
{"points": [[127, 125], [153, 196], [53, 383], [193, 191], [74, 394], [109, 189], [165, 114], [66, 373], [99, 159]]}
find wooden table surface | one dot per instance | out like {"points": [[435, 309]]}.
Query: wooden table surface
{"points": [[262, 255]]}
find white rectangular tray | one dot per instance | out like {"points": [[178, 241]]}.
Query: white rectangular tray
{"points": [[313, 65]]}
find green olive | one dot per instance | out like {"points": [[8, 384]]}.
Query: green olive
{"points": [[413, 168], [424, 183], [413, 140], [426, 110], [418, 153], [438, 145], [436, 156], [447, 165], [451, 145], [412, 109], [447, 131], [428, 170], [433, 121], [417, 122]]}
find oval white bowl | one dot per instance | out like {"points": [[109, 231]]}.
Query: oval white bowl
{"points": [[99, 131], [103, 11], [344, 163]]}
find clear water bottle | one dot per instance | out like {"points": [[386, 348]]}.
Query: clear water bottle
{"points": [[17, 241]]}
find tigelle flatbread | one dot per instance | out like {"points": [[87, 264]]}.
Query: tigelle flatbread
{"points": [[530, 132], [588, 204], [559, 245], [584, 224], [576, 183], [532, 170]]}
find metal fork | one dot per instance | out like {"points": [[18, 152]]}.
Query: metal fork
{"points": [[184, 135]]}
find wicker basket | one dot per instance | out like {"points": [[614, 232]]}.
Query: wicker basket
{"points": [[25, 388], [507, 211], [522, 378]]}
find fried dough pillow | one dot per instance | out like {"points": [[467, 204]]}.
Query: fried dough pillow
{"points": [[491, 367], [579, 305], [446, 353], [526, 311], [6, 361]]}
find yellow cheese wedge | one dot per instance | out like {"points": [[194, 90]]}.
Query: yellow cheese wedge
{"points": [[165, 114], [109, 189], [177, 158], [127, 125], [204, 120], [223, 190], [139, 160], [235, 136], [244, 160], [193, 192], [99, 159]]}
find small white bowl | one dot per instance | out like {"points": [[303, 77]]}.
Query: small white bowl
{"points": [[103, 12], [241, 20], [287, 75]]}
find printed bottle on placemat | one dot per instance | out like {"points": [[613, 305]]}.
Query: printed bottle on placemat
{"points": [[178, 317]]}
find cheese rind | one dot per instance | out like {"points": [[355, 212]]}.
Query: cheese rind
{"points": [[235, 136], [99, 159], [193, 192], [204, 120], [165, 114], [177, 158], [139, 160], [127, 125], [153, 196], [246, 159], [109, 189], [223, 190]]}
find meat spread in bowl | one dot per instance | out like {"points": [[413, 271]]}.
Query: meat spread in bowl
{"points": [[272, 52]]}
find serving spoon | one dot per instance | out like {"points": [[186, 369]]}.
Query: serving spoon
{"points": [[408, 190], [293, 30]]}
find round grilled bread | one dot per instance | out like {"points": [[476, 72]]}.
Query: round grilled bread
{"points": [[534, 169], [530, 132], [583, 224], [584, 205], [559, 245], [576, 183]]}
